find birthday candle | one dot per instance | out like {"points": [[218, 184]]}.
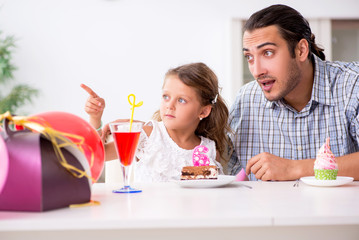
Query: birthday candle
{"points": [[199, 156]]}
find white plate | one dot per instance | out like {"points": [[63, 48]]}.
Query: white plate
{"points": [[207, 183], [326, 183]]}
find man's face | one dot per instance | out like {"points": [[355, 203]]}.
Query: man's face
{"points": [[270, 62]]}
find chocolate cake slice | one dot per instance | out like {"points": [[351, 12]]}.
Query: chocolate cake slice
{"points": [[199, 172]]}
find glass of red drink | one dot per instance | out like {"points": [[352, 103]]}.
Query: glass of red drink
{"points": [[126, 141]]}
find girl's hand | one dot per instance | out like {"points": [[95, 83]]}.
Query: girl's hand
{"points": [[94, 106], [106, 132]]}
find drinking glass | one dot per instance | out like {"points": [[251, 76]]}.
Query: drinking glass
{"points": [[126, 141]]}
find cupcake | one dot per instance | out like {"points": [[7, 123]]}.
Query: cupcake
{"points": [[325, 166]]}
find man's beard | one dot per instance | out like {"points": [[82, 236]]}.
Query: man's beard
{"points": [[291, 82]]}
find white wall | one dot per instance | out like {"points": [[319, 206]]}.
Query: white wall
{"points": [[126, 46]]}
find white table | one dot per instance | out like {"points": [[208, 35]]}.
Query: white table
{"points": [[270, 210]]}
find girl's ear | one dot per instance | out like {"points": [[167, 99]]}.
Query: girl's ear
{"points": [[206, 110]]}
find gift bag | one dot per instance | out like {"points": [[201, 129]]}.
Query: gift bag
{"points": [[41, 171]]}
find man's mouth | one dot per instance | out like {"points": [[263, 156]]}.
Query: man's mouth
{"points": [[266, 84]]}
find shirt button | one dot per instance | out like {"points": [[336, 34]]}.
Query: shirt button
{"points": [[300, 148]]}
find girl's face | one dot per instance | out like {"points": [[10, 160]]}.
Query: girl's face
{"points": [[180, 106]]}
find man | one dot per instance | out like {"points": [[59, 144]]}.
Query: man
{"points": [[297, 101]]}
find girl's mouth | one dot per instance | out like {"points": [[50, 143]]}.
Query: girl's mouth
{"points": [[169, 116]]}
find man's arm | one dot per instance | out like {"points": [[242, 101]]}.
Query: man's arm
{"points": [[234, 164], [349, 165], [266, 166]]}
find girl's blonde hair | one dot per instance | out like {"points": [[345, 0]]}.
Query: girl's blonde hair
{"points": [[205, 82]]}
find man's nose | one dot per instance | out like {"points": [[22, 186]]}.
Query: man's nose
{"points": [[257, 69]]}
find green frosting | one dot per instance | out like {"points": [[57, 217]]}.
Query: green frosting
{"points": [[326, 174]]}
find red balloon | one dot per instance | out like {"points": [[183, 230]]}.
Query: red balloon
{"points": [[92, 146]]}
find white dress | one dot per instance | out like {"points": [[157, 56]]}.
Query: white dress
{"points": [[161, 159]]}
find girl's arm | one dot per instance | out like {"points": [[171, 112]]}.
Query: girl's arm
{"points": [[94, 107], [110, 151], [148, 130]]}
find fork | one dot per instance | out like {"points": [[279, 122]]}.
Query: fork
{"points": [[296, 184]]}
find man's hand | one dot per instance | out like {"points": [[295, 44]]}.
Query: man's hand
{"points": [[266, 166]]}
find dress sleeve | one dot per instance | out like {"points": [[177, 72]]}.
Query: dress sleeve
{"points": [[142, 143]]}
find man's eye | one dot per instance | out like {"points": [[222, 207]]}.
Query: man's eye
{"points": [[248, 57], [268, 53]]}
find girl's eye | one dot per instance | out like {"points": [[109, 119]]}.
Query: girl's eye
{"points": [[165, 97], [181, 100]]}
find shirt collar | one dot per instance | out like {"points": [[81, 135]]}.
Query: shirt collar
{"points": [[321, 92]]}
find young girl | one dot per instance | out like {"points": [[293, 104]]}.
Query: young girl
{"points": [[192, 113]]}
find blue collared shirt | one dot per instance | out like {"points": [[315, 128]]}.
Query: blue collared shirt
{"points": [[260, 125]]}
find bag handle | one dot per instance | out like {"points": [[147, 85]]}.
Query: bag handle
{"points": [[8, 132]]}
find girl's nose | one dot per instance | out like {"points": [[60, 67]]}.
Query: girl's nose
{"points": [[170, 105]]}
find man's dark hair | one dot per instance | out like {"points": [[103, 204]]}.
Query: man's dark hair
{"points": [[292, 26]]}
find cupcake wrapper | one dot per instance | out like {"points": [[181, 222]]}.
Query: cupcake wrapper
{"points": [[326, 174]]}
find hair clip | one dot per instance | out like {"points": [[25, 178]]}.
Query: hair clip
{"points": [[215, 99]]}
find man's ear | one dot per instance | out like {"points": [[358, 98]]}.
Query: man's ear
{"points": [[206, 110], [302, 50]]}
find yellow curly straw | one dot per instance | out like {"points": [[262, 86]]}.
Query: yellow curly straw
{"points": [[133, 105]]}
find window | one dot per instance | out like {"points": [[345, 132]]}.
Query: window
{"points": [[345, 40]]}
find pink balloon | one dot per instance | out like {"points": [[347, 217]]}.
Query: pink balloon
{"points": [[4, 163], [241, 176]]}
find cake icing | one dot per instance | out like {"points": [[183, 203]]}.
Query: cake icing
{"points": [[325, 158]]}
